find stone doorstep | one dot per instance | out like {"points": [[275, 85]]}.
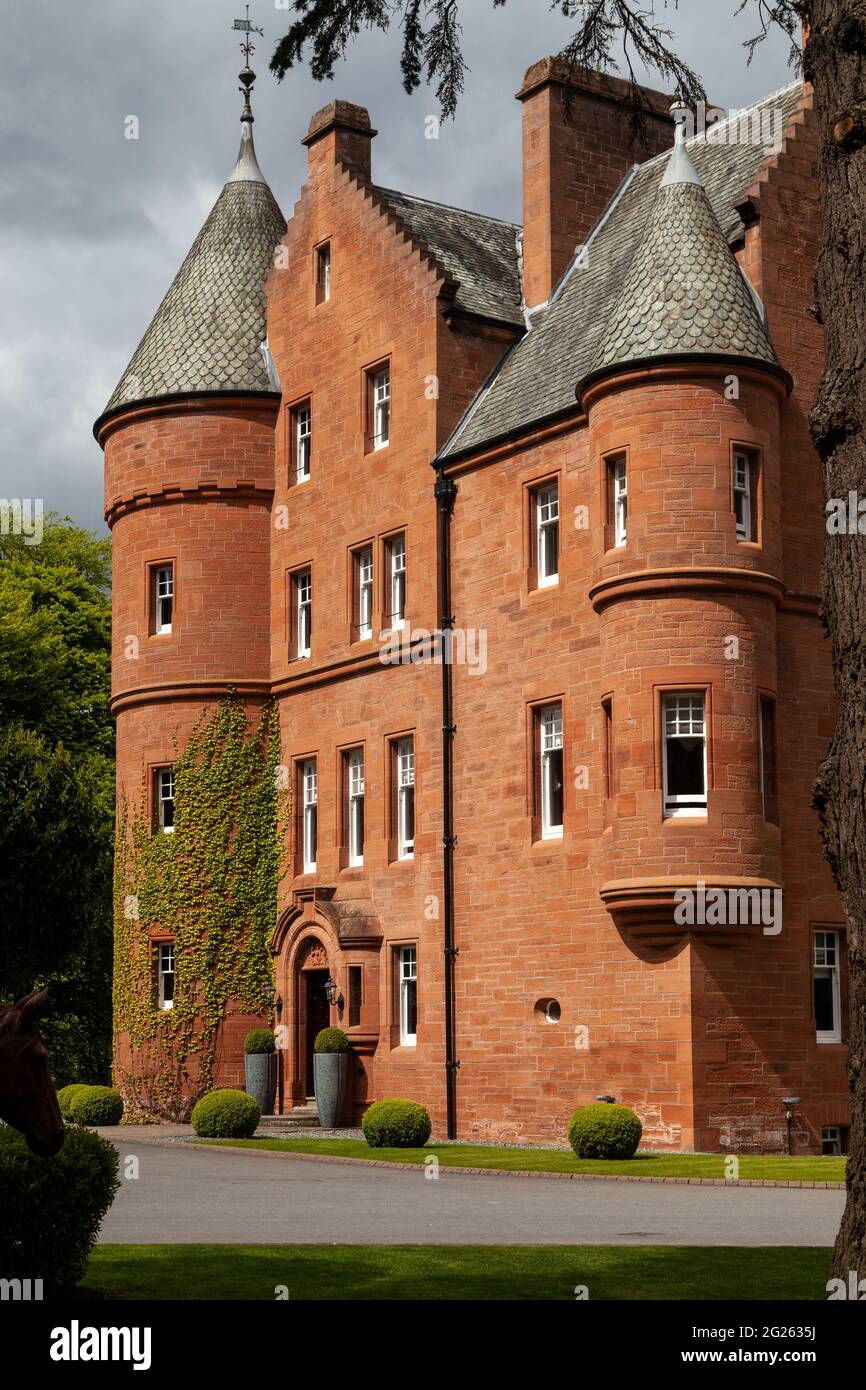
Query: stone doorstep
{"points": [[300, 1118], [497, 1172]]}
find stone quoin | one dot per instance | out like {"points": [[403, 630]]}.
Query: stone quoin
{"points": [[580, 449]]}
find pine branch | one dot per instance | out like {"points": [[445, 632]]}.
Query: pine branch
{"points": [[608, 24], [787, 15], [608, 32], [327, 26]]}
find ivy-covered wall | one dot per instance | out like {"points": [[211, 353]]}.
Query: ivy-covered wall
{"points": [[212, 886]]}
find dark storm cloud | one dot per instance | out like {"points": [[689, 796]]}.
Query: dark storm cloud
{"points": [[93, 225]]}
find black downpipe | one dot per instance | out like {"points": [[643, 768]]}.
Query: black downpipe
{"points": [[446, 491]]}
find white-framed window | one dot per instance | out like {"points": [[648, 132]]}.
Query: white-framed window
{"points": [[743, 481], [323, 273], [380, 406], [827, 986], [619, 498], [364, 599], [165, 974], [302, 589], [546, 500], [165, 799], [405, 760], [355, 805], [684, 761], [408, 966], [310, 824], [834, 1139], [396, 552], [302, 425], [163, 598], [550, 759]]}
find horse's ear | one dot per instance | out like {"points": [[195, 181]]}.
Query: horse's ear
{"points": [[32, 1007]]}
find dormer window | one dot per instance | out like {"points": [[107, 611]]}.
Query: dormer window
{"points": [[323, 273]]}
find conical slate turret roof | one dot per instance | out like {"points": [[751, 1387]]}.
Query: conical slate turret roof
{"points": [[207, 333], [684, 293]]}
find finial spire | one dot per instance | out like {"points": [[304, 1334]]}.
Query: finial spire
{"points": [[247, 167], [680, 168]]}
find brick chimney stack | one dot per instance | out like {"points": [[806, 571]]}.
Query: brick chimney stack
{"points": [[573, 163], [340, 133]]}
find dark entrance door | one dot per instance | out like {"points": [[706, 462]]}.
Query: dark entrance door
{"points": [[318, 1014]]}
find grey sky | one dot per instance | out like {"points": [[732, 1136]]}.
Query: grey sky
{"points": [[93, 226]]}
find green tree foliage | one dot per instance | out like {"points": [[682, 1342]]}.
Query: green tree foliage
{"points": [[57, 788], [55, 637]]}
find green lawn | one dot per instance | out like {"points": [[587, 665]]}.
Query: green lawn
{"points": [[799, 1169], [370, 1272]]}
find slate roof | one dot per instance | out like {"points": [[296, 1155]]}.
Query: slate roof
{"points": [[537, 377], [207, 333], [684, 292], [479, 252]]}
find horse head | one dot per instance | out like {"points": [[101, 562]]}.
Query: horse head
{"points": [[28, 1100]]}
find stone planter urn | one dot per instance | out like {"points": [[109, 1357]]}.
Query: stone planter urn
{"points": [[331, 1059], [260, 1069]]}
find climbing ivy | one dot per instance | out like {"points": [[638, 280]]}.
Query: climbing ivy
{"points": [[212, 885]]}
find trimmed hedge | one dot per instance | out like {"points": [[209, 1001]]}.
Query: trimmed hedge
{"points": [[225, 1114], [604, 1131], [396, 1124], [96, 1105], [53, 1207], [331, 1040], [66, 1095], [259, 1040]]}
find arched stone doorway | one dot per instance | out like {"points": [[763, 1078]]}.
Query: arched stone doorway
{"points": [[306, 954], [314, 1011], [317, 937]]}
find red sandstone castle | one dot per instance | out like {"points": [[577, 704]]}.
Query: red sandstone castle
{"points": [[521, 529]]}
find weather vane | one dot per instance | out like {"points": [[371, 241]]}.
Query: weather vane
{"points": [[247, 77], [247, 28]]}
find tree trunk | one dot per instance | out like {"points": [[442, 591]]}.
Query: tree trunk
{"points": [[835, 62]]}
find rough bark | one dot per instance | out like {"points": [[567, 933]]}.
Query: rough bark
{"points": [[835, 62]]}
